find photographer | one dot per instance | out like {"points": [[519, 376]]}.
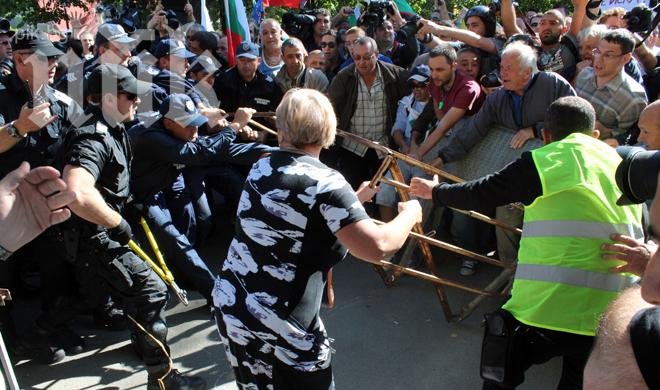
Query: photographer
{"points": [[379, 21]]}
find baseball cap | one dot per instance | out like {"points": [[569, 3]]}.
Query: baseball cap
{"points": [[110, 32], [181, 109], [104, 78], [248, 50], [421, 73], [171, 47], [204, 63], [5, 27], [36, 42]]}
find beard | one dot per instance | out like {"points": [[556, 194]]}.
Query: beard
{"points": [[550, 39]]}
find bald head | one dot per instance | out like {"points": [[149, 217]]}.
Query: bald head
{"points": [[649, 126]]}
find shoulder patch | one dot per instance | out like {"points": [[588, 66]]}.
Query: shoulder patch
{"points": [[62, 97], [152, 70], [101, 128]]}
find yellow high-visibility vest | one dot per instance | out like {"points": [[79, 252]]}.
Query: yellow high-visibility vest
{"points": [[562, 282]]}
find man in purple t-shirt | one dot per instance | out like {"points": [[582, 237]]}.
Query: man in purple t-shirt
{"points": [[455, 95]]}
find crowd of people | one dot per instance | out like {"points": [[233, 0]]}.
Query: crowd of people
{"points": [[157, 124]]}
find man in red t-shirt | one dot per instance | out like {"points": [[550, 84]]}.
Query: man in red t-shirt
{"points": [[455, 95]]}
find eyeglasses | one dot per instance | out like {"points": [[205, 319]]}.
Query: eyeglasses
{"points": [[606, 56], [129, 96], [414, 85], [330, 45]]}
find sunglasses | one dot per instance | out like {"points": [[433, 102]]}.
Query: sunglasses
{"points": [[129, 96], [414, 85], [331, 45]]}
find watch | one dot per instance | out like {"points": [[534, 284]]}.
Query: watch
{"points": [[13, 131], [4, 253]]}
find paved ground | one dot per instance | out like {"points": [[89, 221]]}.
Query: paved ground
{"points": [[386, 338]]}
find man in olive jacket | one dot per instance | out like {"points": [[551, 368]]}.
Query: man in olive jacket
{"points": [[364, 96]]}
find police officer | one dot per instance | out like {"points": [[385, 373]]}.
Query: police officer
{"points": [[173, 62], [95, 162], [33, 119], [162, 151], [245, 86], [5, 46], [113, 45], [562, 284]]}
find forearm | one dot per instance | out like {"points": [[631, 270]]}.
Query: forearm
{"points": [[509, 18], [446, 123], [646, 57], [469, 38], [89, 204], [382, 241], [6, 141]]}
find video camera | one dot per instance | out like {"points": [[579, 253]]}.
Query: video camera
{"points": [[375, 14], [640, 19], [299, 24], [637, 175], [128, 16]]}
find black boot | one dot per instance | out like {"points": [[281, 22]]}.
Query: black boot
{"points": [[174, 380], [36, 344], [67, 339]]}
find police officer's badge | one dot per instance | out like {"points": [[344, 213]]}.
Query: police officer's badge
{"points": [[245, 46], [190, 107]]}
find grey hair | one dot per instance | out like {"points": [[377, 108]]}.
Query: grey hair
{"points": [[294, 42], [525, 53], [269, 21], [593, 31], [367, 41]]}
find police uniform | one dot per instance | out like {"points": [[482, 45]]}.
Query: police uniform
{"points": [[104, 151], [159, 186], [261, 93], [172, 82], [39, 148]]}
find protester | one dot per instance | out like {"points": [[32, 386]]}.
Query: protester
{"points": [[294, 73], [266, 292]]}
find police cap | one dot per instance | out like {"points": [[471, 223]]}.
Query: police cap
{"points": [[35, 42], [112, 77]]}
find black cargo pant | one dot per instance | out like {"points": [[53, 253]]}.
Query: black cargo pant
{"points": [[139, 290], [539, 345]]}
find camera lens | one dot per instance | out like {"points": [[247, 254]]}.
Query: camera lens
{"points": [[637, 175]]}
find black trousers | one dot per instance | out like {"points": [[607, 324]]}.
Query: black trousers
{"points": [[138, 289], [288, 378], [540, 345]]}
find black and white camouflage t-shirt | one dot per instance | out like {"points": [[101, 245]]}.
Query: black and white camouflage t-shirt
{"points": [[270, 286]]}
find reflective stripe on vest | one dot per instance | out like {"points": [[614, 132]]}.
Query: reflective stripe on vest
{"points": [[582, 229], [575, 277]]}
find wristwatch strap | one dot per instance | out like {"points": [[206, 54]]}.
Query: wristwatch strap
{"points": [[4, 253]]}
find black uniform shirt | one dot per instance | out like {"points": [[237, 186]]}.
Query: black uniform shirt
{"points": [[159, 156], [173, 83], [261, 93], [104, 152], [39, 147]]}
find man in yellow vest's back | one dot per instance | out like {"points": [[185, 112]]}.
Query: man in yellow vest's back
{"points": [[562, 285]]}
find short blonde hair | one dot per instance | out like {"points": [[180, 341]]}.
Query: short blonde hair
{"points": [[305, 117]]}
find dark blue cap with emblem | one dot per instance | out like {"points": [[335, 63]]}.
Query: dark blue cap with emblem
{"points": [[248, 50], [171, 47], [181, 109]]}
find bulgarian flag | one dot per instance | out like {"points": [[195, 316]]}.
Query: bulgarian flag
{"points": [[282, 3], [404, 6], [237, 28]]}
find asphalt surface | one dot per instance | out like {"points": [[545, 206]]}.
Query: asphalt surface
{"points": [[385, 338]]}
